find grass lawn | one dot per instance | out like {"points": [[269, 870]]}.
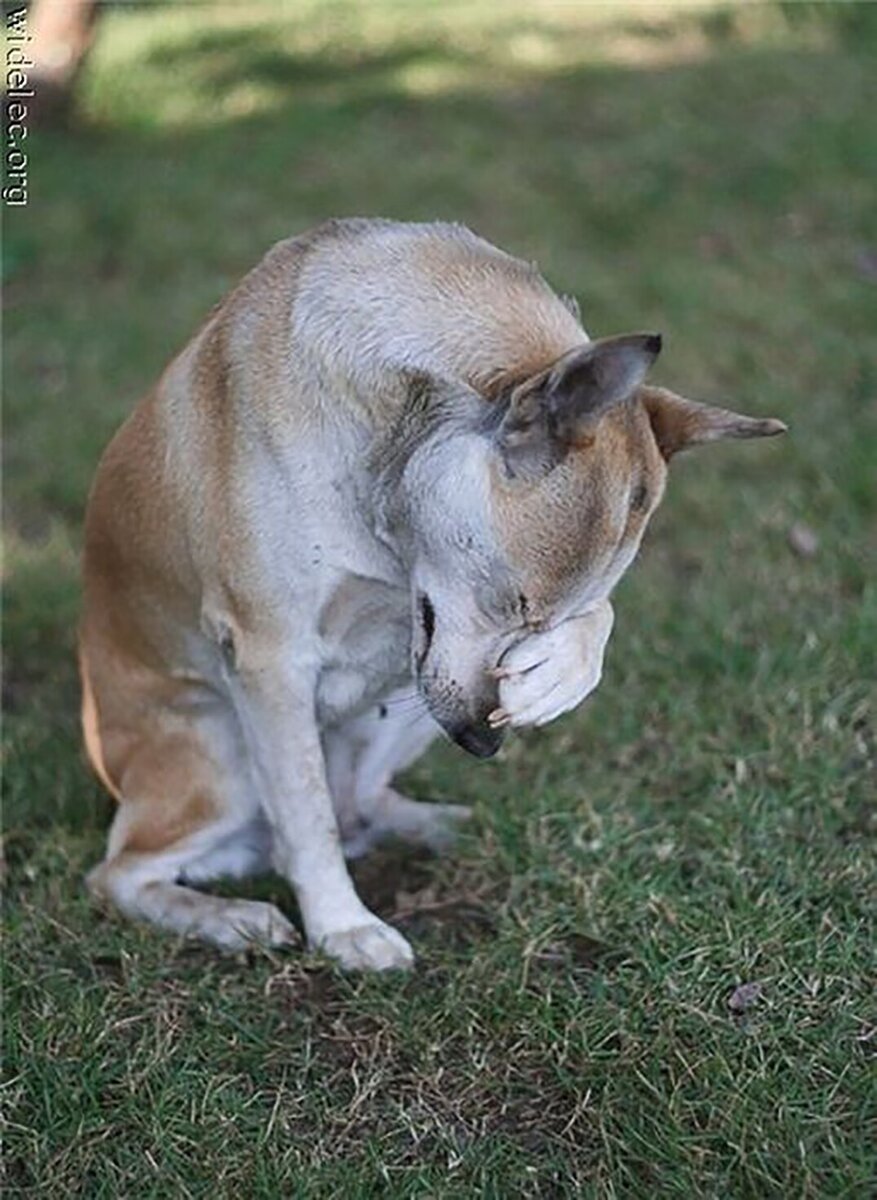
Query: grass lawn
{"points": [[575, 1025]]}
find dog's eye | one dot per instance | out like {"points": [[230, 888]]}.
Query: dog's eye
{"points": [[639, 497], [528, 618]]}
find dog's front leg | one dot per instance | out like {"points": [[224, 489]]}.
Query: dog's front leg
{"points": [[550, 672], [275, 699]]}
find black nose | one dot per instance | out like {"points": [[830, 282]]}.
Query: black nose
{"points": [[480, 739]]}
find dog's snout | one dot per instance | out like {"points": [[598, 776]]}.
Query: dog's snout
{"points": [[477, 738], [450, 662]]}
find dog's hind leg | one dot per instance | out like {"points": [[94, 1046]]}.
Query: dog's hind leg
{"points": [[181, 820], [363, 756]]}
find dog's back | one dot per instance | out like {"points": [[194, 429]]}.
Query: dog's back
{"points": [[374, 296]]}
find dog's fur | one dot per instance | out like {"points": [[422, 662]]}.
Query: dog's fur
{"points": [[388, 486]]}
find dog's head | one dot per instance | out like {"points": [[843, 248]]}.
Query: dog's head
{"points": [[525, 510]]}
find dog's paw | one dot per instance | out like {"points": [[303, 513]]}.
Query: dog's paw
{"points": [[549, 673], [419, 822], [237, 924], [439, 826], [372, 947]]}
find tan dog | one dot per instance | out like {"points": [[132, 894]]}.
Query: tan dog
{"points": [[388, 486]]}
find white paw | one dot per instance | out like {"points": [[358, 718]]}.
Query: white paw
{"points": [[372, 947], [237, 924], [438, 825], [418, 821], [549, 673]]}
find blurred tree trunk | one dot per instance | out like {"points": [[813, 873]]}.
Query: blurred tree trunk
{"points": [[62, 32]]}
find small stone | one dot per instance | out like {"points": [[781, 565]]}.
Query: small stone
{"points": [[802, 540], [866, 263]]}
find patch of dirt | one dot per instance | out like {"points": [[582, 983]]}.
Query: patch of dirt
{"points": [[383, 874], [399, 884]]}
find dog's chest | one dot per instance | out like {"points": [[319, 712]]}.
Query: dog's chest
{"points": [[365, 631]]}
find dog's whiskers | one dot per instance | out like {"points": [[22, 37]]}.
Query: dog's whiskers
{"points": [[401, 704]]}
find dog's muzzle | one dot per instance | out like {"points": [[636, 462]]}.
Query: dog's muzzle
{"points": [[478, 739]]}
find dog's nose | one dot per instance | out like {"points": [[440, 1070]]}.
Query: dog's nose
{"points": [[478, 739]]}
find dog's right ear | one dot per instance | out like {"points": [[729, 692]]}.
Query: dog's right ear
{"points": [[557, 409]]}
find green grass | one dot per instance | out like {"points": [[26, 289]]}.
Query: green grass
{"points": [[705, 821]]}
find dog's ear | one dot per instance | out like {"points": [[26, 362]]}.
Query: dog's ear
{"points": [[558, 408], [678, 423]]}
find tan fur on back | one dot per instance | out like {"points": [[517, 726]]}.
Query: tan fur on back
{"points": [[433, 298]]}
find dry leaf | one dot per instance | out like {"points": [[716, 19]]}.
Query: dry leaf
{"points": [[743, 997]]}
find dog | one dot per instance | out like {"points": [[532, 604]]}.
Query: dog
{"points": [[385, 490]]}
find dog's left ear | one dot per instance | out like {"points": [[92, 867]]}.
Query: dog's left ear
{"points": [[678, 423], [558, 408]]}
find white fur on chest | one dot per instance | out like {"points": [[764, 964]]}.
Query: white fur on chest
{"points": [[365, 632]]}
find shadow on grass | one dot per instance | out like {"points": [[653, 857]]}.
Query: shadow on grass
{"points": [[222, 59]]}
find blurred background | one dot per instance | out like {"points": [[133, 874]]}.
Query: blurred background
{"points": [[705, 170]]}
